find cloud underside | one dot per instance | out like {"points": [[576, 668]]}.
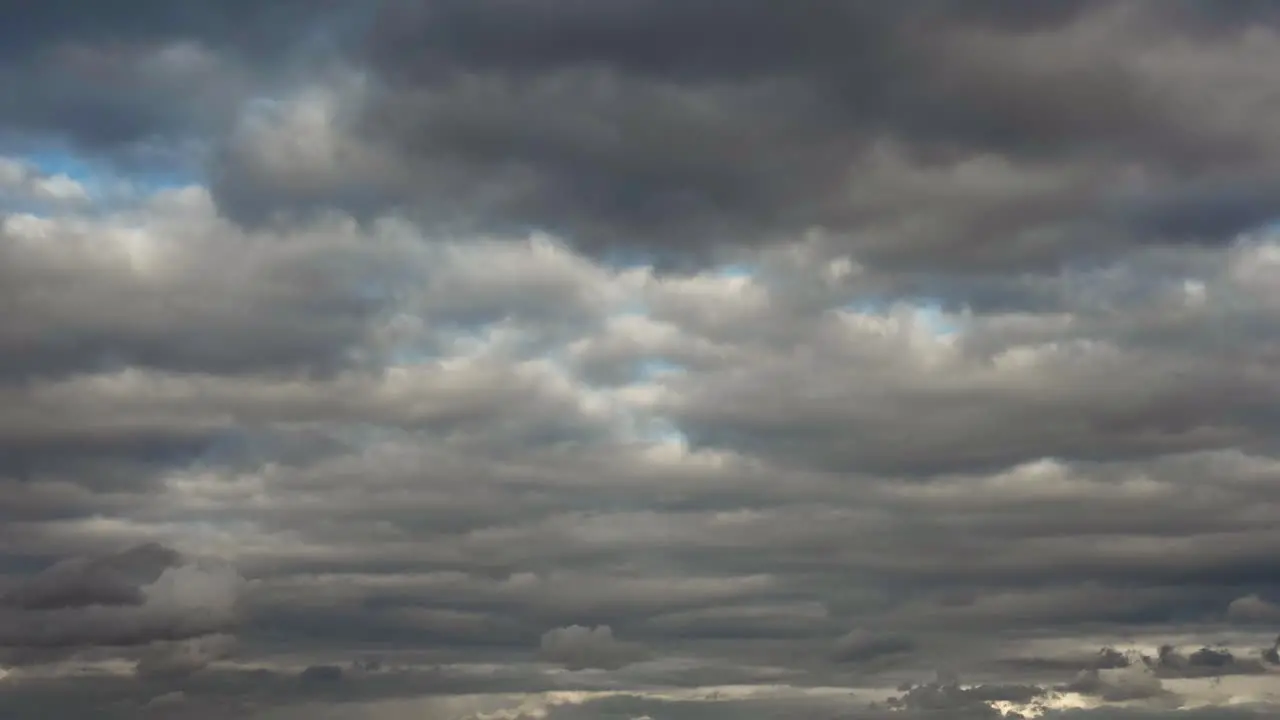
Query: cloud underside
{"points": [[640, 359]]}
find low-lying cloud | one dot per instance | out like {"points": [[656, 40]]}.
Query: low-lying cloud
{"points": [[491, 359]]}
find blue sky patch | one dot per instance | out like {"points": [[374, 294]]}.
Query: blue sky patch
{"points": [[98, 176], [651, 368], [735, 270]]}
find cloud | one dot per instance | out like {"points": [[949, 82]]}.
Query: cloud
{"points": [[580, 648], [134, 597], [926, 124], [177, 659], [497, 359], [1252, 609], [115, 579], [321, 674], [1118, 684], [861, 646], [1207, 661], [978, 700]]}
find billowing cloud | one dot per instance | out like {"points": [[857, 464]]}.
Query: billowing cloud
{"points": [[579, 648], [1253, 609], [494, 359], [912, 135]]}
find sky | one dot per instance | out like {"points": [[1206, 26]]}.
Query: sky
{"points": [[640, 360]]}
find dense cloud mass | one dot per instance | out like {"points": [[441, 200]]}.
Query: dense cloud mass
{"points": [[469, 359]]}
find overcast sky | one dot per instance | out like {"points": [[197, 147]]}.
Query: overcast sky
{"points": [[639, 359]]}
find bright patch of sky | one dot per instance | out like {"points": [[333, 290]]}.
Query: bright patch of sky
{"points": [[51, 161], [932, 315], [25, 188], [735, 270], [929, 313], [64, 174], [655, 368], [663, 432]]}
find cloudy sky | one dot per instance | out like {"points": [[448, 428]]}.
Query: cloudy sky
{"points": [[639, 359]]}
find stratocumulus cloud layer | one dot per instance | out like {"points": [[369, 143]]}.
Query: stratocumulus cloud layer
{"points": [[479, 359]]}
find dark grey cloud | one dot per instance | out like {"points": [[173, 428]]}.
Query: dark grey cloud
{"points": [[245, 25], [147, 87], [983, 135], [861, 647], [926, 135], [179, 659], [134, 597], [1206, 661], [110, 580], [639, 359], [321, 675]]}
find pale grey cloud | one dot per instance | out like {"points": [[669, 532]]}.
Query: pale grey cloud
{"points": [[580, 648]]}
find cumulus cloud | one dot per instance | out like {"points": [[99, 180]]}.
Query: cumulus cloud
{"points": [[1253, 609], [1118, 684], [758, 357], [576, 127], [580, 648]]}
